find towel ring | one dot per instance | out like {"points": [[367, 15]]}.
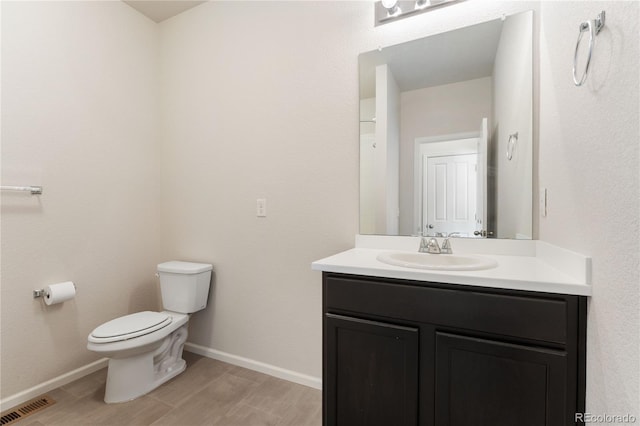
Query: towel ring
{"points": [[598, 23]]}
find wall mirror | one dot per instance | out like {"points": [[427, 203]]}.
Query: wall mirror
{"points": [[446, 133]]}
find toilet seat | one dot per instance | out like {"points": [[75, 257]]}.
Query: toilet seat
{"points": [[130, 326]]}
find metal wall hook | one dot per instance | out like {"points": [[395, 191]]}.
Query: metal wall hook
{"points": [[594, 28], [511, 145], [599, 22]]}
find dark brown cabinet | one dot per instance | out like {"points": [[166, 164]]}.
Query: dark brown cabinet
{"points": [[497, 383], [399, 352], [376, 367]]}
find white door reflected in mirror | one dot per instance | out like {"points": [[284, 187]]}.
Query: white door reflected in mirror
{"points": [[450, 196]]}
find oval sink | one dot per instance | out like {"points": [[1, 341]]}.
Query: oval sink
{"points": [[440, 262]]}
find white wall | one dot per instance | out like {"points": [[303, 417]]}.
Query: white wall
{"points": [[250, 79], [367, 166], [512, 113], [260, 100], [257, 104], [79, 114], [436, 111], [387, 157], [590, 162]]}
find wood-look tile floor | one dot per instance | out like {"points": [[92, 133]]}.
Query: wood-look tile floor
{"points": [[208, 392]]}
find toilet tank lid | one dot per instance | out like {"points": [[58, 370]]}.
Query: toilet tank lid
{"points": [[178, 267]]}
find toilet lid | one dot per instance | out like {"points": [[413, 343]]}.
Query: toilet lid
{"points": [[130, 326]]}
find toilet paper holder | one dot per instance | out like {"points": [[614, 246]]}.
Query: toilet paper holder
{"points": [[43, 292]]}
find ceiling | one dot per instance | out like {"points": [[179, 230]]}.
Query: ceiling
{"points": [[160, 10], [459, 55]]}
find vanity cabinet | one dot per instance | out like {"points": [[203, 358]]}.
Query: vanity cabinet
{"points": [[376, 372], [402, 352]]}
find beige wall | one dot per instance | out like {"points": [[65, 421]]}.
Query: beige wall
{"points": [[260, 100], [436, 111], [387, 151], [253, 111], [590, 163], [237, 103], [368, 151], [512, 113], [79, 114], [258, 104]]}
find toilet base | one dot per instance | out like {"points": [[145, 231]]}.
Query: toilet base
{"points": [[131, 377]]}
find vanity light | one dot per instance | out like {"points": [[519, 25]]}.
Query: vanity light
{"points": [[421, 4], [392, 7], [392, 10]]}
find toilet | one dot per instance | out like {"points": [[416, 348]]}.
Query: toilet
{"points": [[145, 348]]}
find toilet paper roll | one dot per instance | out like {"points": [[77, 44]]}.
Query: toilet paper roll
{"points": [[58, 293]]}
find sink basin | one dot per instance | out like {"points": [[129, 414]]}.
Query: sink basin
{"points": [[438, 262]]}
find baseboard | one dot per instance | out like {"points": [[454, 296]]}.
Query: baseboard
{"points": [[56, 382], [272, 370]]}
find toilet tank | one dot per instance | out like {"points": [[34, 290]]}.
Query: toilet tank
{"points": [[184, 285]]}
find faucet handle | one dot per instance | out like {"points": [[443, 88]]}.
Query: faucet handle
{"points": [[446, 247]]}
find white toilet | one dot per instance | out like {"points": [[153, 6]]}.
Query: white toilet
{"points": [[145, 349]]}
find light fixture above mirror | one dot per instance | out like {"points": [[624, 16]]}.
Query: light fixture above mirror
{"points": [[392, 10], [392, 7]]}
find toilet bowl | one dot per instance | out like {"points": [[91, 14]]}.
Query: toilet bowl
{"points": [[145, 348]]}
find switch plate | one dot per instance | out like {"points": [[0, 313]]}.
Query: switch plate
{"points": [[261, 207], [542, 201]]}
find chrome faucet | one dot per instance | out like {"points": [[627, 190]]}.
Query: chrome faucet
{"points": [[429, 245]]}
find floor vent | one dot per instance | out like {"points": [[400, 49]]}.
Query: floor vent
{"points": [[26, 409]]}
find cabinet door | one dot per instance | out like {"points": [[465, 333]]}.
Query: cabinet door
{"points": [[490, 383], [371, 373]]}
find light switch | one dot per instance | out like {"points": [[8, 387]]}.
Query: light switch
{"points": [[261, 207], [542, 200]]}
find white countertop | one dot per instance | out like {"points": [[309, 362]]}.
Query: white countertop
{"points": [[522, 265]]}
